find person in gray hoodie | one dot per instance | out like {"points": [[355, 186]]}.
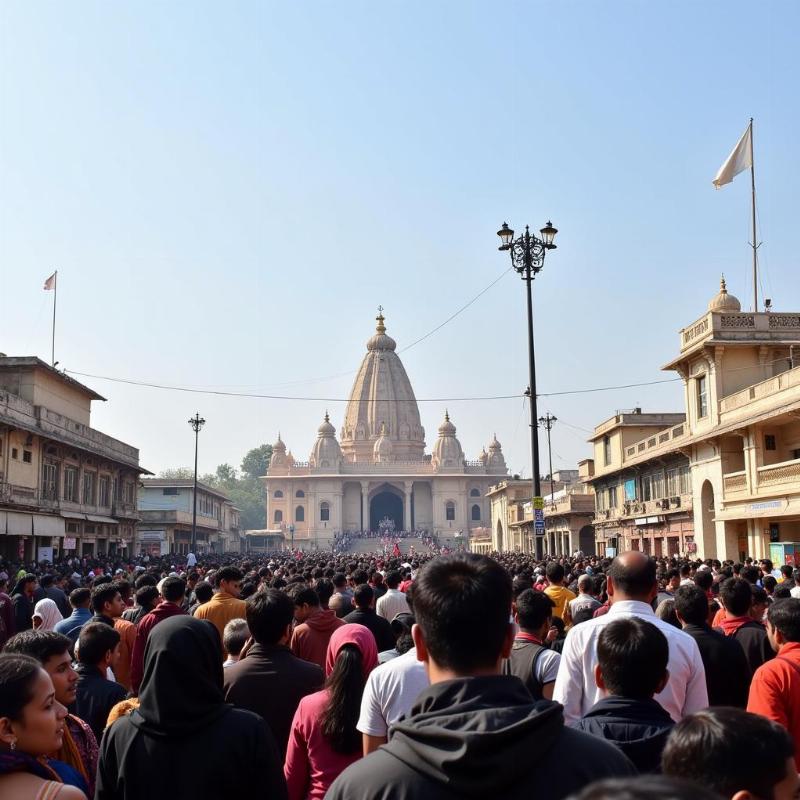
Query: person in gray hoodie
{"points": [[475, 732]]}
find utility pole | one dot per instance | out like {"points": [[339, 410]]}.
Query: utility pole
{"points": [[546, 422], [197, 423]]}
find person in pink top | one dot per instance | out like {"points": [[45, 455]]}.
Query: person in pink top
{"points": [[324, 740]]}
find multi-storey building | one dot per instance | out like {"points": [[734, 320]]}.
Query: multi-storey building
{"points": [[166, 507], [65, 488]]}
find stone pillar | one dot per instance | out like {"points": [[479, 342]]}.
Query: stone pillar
{"points": [[409, 487], [365, 505]]}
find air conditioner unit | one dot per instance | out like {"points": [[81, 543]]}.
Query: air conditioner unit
{"points": [[676, 501]]}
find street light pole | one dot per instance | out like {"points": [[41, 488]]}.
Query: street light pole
{"points": [[547, 423], [197, 423], [527, 257]]}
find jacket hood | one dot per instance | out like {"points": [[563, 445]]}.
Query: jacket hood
{"points": [[638, 727], [323, 620], [477, 735], [358, 636], [730, 625]]}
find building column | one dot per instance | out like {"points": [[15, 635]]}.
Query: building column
{"points": [[409, 487], [364, 505]]}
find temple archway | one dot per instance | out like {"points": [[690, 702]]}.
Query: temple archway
{"points": [[386, 504]]}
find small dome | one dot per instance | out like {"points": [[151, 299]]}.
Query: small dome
{"points": [[290, 458], [382, 451], [494, 444], [496, 460], [447, 428], [326, 429], [447, 450], [724, 301], [380, 341], [326, 452], [279, 446], [483, 456]]}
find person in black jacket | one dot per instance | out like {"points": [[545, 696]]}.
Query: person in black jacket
{"points": [[474, 732], [728, 674], [365, 615], [269, 679], [632, 657], [736, 595], [98, 650], [184, 740], [23, 603]]}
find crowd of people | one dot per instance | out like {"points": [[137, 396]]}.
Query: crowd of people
{"points": [[386, 541], [366, 676]]}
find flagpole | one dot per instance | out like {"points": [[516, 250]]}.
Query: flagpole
{"points": [[753, 195], [55, 298]]}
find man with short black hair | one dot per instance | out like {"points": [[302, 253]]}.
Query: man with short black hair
{"points": [[775, 689], [739, 755], [98, 650], [394, 601], [558, 593], [270, 680], [632, 657], [341, 601], [632, 586], [316, 624], [474, 732], [225, 605], [80, 600], [49, 588], [108, 608], [727, 671], [364, 614], [736, 595]]}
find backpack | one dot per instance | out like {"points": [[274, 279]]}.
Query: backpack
{"points": [[522, 662]]}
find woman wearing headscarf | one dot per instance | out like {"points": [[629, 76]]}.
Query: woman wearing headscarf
{"points": [[184, 740], [323, 740], [46, 615], [32, 726]]}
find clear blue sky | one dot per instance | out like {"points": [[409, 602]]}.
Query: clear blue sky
{"points": [[228, 191]]}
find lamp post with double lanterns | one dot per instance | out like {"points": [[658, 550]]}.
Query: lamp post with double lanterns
{"points": [[527, 257], [197, 423]]}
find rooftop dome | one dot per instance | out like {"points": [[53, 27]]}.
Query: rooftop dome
{"points": [[382, 451], [326, 429], [724, 301], [447, 452], [279, 458], [326, 452], [382, 393], [496, 460]]}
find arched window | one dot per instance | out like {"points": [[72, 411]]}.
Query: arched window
{"points": [[278, 516], [450, 510], [299, 514], [474, 492], [324, 512], [476, 513], [299, 493], [278, 494]]}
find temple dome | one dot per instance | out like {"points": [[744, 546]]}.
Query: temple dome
{"points": [[724, 301], [382, 393], [447, 450], [326, 452], [382, 451], [496, 460], [279, 458]]}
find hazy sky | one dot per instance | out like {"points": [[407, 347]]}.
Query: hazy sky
{"points": [[229, 190]]}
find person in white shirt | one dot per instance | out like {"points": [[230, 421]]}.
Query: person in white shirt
{"points": [[394, 602], [632, 585], [389, 694]]}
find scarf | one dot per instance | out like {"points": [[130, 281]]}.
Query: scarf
{"points": [[47, 610], [14, 761]]}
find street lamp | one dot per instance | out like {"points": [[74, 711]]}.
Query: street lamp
{"points": [[197, 423], [527, 257], [547, 423]]}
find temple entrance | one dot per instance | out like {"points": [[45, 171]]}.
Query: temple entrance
{"points": [[386, 505]]}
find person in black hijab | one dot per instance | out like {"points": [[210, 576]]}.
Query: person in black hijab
{"points": [[184, 740]]}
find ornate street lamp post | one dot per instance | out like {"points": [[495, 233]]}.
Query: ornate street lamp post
{"points": [[527, 257], [197, 423]]}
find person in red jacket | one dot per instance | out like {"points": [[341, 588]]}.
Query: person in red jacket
{"points": [[316, 623], [172, 591]]}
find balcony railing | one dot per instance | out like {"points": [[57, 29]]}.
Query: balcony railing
{"points": [[655, 441], [734, 482], [785, 380], [784, 472]]}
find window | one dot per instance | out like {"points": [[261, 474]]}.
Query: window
{"points": [[89, 529], [88, 488], [324, 512], [647, 488], [15, 453], [105, 491], [278, 516], [299, 493], [474, 492], [685, 480], [476, 513], [299, 514], [769, 442], [278, 494], [606, 450], [170, 490], [27, 456], [72, 527], [657, 483], [795, 454], [673, 482], [129, 493], [702, 397], [50, 480], [612, 496], [450, 510]]}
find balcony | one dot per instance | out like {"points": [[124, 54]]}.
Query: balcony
{"points": [[667, 440], [744, 403], [739, 326], [774, 475], [734, 483], [647, 508]]}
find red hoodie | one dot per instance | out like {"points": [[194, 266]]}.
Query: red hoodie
{"points": [[730, 625], [163, 610], [310, 638]]}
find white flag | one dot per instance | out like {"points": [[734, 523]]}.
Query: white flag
{"points": [[50, 283], [739, 160]]}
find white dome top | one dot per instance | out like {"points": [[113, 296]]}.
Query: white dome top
{"points": [[279, 458], [724, 301], [447, 452], [326, 452], [382, 393], [382, 451], [496, 459]]}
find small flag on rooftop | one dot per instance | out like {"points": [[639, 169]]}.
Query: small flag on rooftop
{"points": [[50, 283], [740, 159]]}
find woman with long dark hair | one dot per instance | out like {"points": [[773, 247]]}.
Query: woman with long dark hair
{"points": [[324, 739]]}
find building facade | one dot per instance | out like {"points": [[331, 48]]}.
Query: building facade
{"points": [[166, 508], [65, 488], [379, 474]]}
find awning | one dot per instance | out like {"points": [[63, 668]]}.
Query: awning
{"points": [[103, 520], [72, 515], [47, 526], [18, 524]]}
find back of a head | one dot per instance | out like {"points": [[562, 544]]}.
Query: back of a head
{"points": [[234, 636], [362, 596], [784, 617], [691, 604], [704, 579], [585, 583], [533, 610], [41, 645], [645, 787], [80, 598], [633, 656], [555, 572], [736, 596], [729, 750], [173, 589], [634, 575], [269, 613], [46, 581], [462, 604], [340, 581], [393, 579], [324, 590], [750, 574], [94, 641], [203, 591], [229, 574]]}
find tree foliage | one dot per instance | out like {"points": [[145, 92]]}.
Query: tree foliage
{"points": [[256, 461]]}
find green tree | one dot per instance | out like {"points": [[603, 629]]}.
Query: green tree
{"points": [[177, 473], [256, 461]]}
